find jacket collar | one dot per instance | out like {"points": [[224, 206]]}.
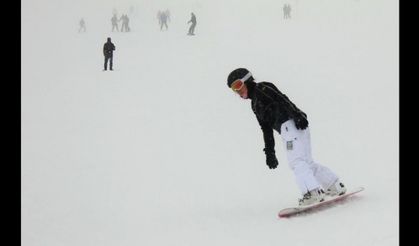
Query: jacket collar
{"points": [[250, 89]]}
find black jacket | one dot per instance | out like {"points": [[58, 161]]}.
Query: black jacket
{"points": [[272, 108], [108, 49]]}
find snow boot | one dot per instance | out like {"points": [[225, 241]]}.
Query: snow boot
{"points": [[336, 189], [311, 197]]}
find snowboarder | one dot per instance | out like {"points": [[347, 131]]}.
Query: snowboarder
{"points": [[274, 111], [192, 27], [108, 49]]}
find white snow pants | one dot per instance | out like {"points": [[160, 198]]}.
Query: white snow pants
{"points": [[309, 174]]}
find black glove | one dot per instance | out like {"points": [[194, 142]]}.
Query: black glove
{"points": [[271, 160], [301, 121]]}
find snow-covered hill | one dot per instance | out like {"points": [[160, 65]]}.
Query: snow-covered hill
{"points": [[161, 152]]}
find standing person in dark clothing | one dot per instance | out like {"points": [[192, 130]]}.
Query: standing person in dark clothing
{"points": [[192, 27], [274, 111], [108, 49]]}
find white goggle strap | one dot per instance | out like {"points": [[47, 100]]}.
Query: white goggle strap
{"points": [[246, 77]]}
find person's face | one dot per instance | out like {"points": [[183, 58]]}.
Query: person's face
{"points": [[240, 88]]}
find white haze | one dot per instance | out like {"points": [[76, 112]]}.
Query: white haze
{"points": [[161, 152]]}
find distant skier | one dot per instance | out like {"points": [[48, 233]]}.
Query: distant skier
{"points": [[284, 10], [125, 23], [287, 11], [108, 49], [192, 27], [274, 111], [114, 22], [163, 20], [82, 25]]}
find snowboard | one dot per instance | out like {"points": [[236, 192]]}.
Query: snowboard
{"points": [[288, 212]]}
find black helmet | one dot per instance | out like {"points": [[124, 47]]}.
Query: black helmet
{"points": [[239, 73]]}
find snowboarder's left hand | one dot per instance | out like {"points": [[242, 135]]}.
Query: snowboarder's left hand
{"points": [[301, 121]]}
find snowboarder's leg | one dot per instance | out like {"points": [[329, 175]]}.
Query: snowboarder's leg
{"points": [[111, 62], [323, 174], [299, 156], [298, 143]]}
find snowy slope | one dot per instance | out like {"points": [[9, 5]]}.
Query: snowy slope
{"points": [[161, 152]]}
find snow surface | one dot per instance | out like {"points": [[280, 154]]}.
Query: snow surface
{"points": [[161, 152]]}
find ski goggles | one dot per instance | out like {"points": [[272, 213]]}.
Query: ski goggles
{"points": [[239, 83]]}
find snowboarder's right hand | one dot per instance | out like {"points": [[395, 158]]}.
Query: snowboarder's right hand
{"points": [[271, 160]]}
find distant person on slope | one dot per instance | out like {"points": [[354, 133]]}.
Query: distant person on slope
{"points": [[114, 22], [288, 11], [192, 27], [82, 25], [108, 49], [163, 20], [125, 21], [128, 29], [274, 111]]}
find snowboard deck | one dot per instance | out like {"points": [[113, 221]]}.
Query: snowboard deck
{"points": [[288, 212]]}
